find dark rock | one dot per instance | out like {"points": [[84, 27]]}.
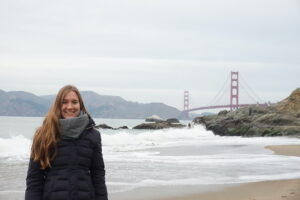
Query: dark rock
{"points": [[103, 126], [158, 125], [275, 119], [123, 127], [223, 112], [173, 120]]}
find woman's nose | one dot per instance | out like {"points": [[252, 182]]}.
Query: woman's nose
{"points": [[69, 105]]}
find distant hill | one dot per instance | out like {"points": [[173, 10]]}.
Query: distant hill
{"points": [[20, 103]]}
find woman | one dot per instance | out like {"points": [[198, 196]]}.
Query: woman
{"points": [[66, 160]]}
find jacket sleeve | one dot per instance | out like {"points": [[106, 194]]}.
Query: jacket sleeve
{"points": [[35, 181], [98, 170]]}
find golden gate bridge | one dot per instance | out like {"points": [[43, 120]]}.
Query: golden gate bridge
{"points": [[234, 98]]}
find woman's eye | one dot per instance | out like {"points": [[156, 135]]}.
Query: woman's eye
{"points": [[75, 102]]}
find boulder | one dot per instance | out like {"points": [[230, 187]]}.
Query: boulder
{"points": [[154, 118], [158, 125], [103, 126], [173, 120], [123, 127]]}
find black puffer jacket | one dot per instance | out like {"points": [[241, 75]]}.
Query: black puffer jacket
{"points": [[77, 172]]}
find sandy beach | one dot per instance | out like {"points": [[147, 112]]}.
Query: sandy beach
{"points": [[266, 190]]}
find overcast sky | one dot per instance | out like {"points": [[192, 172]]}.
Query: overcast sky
{"points": [[152, 50]]}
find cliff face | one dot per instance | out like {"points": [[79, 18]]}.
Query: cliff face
{"points": [[279, 119], [291, 103]]}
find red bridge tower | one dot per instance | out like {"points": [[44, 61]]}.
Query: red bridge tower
{"points": [[234, 91], [186, 103]]}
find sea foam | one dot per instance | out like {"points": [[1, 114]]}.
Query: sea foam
{"points": [[17, 147]]}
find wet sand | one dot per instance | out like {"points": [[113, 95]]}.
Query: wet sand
{"points": [[266, 190], [287, 150]]}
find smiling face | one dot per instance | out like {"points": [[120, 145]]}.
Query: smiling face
{"points": [[70, 105]]}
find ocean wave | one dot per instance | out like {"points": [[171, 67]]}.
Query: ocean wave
{"points": [[17, 147], [126, 141]]}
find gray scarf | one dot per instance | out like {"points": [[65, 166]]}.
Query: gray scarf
{"points": [[72, 127]]}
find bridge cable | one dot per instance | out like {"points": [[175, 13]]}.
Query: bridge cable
{"points": [[219, 94], [225, 93], [256, 97], [244, 89]]}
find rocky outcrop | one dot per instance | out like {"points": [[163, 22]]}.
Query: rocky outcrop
{"points": [[123, 127], [158, 125], [155, 122], [280, 119], [173, 120], [104, 126], [154, 118]]}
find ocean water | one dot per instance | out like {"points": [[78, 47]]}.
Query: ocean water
{"points": [[143, 158]]}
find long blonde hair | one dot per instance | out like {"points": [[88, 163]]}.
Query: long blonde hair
{"points": [[43, 148]]}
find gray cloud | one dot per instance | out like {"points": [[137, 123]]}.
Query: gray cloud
{"points": [[150, 50]]}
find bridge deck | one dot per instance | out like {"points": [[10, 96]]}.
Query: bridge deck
{"points": [[222, 106]]}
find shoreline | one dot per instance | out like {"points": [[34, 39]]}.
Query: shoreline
{"points": [[288, 189], [265, 190], [286, 150]]}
